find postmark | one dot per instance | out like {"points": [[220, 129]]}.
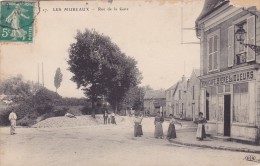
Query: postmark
{"points": [[16, 23]]}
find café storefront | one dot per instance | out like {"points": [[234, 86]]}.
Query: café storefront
{"points": [[229, 103]]}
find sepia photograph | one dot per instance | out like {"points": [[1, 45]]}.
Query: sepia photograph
{"points": [[130, 83]]}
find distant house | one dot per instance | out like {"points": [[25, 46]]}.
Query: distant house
{"points": [[155, 101], [193, 95], [176, 99], [169, 99]]}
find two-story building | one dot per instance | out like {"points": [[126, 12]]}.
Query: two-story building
{"points": [[155, 101], [193, 95], [229, 68], [176, 99], [169, 99]]}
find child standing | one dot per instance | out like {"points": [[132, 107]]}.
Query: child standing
{"points": [[171, 130]]}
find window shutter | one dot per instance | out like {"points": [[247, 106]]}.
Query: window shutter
{"points": [[210, 62], [231, 52], [250, 38]]}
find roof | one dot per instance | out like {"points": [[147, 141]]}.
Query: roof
{"points": [[209, 7], [173, 87], [154, 94]]}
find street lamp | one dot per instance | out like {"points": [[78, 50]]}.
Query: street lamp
{"points": [[240, 35]]}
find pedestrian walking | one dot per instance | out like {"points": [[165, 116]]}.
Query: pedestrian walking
{"points": [[158, 120], [138, 132], [113, 118], [109, 118], [105, 116], [12, 119], [201, 133], [171, 134]]}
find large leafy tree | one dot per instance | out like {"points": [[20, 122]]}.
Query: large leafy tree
{"points": [[57, 78], [100, 68]]}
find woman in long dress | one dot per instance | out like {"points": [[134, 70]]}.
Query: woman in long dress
{"points": [[201, 133], [158, 120], [14, 19], [171, 130], [138, 132]]}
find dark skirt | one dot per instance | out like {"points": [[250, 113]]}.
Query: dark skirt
{"points": [[171, 131], [138, 130], [113, 120], [158, 130]]}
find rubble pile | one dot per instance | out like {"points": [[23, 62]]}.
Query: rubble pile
{"points": [[87, 120]]}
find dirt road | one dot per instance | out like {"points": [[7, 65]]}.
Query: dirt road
{"points": [[104, 146]]}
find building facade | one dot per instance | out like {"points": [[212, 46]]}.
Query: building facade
{"points": [[169, 99], [176, 99], [193, 95], [230, 75], [155, 101]]}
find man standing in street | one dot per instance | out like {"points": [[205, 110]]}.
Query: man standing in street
{"points": [[12, 119], [105, 116]]}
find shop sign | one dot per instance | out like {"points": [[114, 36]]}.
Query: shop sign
{"points": [[229, 78]]}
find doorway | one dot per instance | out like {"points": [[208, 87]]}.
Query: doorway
{"points": [[207, 105], [227, 113]]}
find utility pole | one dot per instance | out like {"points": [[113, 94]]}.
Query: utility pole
{"points": [[42, 75], [38, 75]]}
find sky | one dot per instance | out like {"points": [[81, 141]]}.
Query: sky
{"points": [[148, 32]]}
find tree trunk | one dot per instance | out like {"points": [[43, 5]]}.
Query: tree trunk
{"points": [[93, 109]]}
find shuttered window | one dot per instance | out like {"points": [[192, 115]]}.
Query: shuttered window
{"points": [[238, 53], [250, 38], [231, 52], [213, 50]]}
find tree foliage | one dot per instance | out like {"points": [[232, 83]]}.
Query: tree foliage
{"points": [[15, 86], [100, 68], [57, 78]]}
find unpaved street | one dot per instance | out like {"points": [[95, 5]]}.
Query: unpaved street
{"points": [[104, 145]]}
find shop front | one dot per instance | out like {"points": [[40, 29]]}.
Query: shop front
{"points": [[229, 103]]}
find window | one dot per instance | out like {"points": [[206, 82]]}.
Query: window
{"points": [[220, 89], [213, 50], [211, 93], [237, 52], [179, 94], [240, 49], [240, 103]]}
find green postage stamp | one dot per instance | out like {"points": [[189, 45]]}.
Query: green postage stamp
{"points": [[17, 20]]}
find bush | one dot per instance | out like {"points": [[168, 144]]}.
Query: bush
{"points": [[44, 109], [4, 115], [61, 112], [26, 122], [86, 110]]}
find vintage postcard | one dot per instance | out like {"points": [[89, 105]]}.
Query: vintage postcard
{"points": [[132, 83]]}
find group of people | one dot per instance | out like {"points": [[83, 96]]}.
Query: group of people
{"points": [[138, 132], [109, 118], [171, 134]]}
